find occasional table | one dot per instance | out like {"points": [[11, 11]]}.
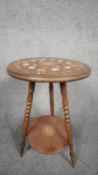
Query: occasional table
{"points": [[48, 133]]}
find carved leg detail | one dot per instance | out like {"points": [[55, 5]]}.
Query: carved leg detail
{"points": [[67, 120], [27, 115], [51, 90]]}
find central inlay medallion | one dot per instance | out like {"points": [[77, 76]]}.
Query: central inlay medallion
{"points": [[48, 130]]}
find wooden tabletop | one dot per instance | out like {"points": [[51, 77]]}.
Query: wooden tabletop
{"points": [[43, 69]]}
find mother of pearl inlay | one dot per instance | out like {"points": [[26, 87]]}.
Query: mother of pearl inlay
{"points": [[43, 59], [60, 61], [68, 63], [48, 130], [25, 64], [44, 66], [33, 60], [54, 69], [67, 67], [41, 70], [31, 67]]}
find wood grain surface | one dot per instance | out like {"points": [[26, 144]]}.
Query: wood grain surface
{"points": [[48, 69], [47, 134]]}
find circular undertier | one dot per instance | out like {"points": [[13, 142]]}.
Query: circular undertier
{"points": [[47, 134]]}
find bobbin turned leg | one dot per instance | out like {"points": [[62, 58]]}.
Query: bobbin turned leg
{"points": [[51, 90], [27, 115], [67, 120]]}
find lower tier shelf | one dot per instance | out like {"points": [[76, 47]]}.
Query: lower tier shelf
{"points": [[47, 134]]}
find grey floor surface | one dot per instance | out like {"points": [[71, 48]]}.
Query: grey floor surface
{"points": [[65, 28]]}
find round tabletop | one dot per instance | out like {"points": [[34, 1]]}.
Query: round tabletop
{"points": [[43, 69]]}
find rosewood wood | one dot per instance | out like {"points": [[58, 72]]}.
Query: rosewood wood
{"points": [[27, 115], [48, 134], [67, 120], [48, 69], [51, 89]]}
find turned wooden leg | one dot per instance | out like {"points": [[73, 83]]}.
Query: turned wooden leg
{"points": [[67, 120], [27, 115], [51, 90]]}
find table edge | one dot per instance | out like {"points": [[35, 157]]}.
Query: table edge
{"points": [[41, 79]]}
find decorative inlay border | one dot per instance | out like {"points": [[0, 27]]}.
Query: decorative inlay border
{"points": [[43, 66]]}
